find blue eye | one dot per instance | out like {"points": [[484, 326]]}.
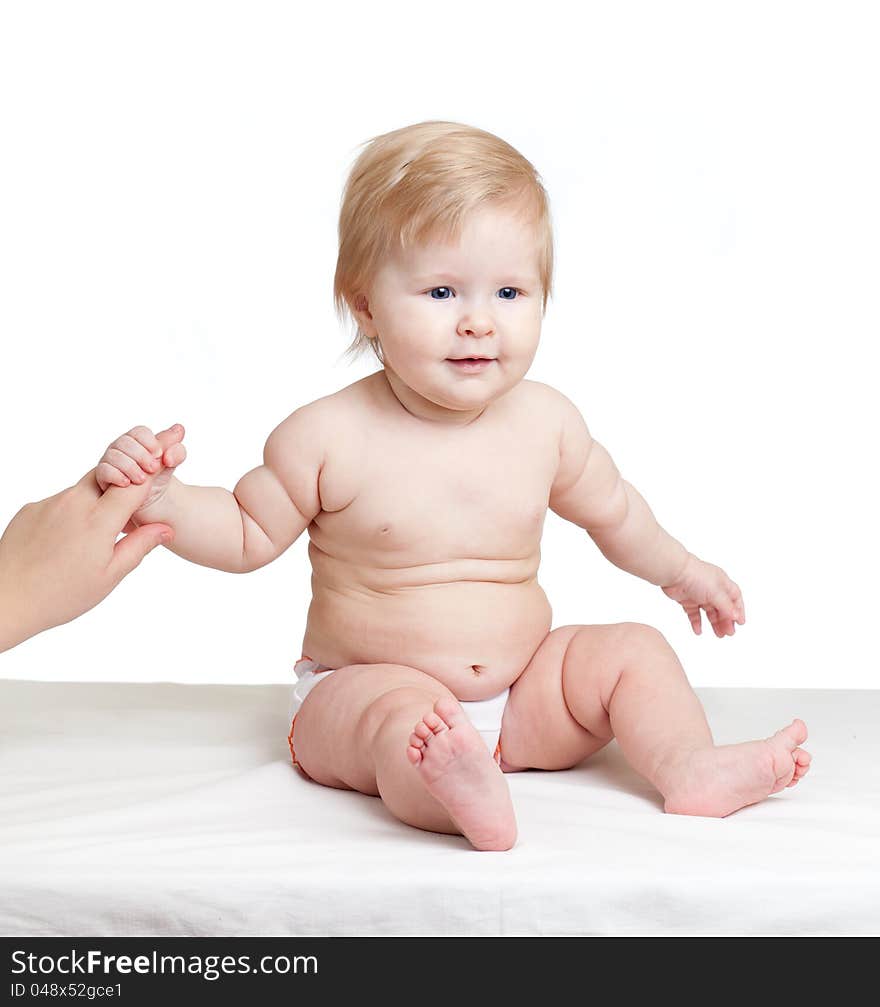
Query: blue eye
{"points": [[512, 290]]}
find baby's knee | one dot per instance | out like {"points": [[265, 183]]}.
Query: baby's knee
{"points": [[393, 710], [639, 639]]}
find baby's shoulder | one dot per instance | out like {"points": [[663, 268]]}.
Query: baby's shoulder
{"points": [[319, 431], [326, 416], [538, 391], [542, 402], [310, 443]]}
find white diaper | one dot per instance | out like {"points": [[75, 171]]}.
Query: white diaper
{"points": [[484, 714], [308, 674]]}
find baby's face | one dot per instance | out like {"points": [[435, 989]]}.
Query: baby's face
{"points": [[439, 303]]}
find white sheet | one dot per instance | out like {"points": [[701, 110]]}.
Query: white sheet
{"points": [[160, 809]]}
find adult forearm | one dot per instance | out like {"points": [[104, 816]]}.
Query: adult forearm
{"points": [[639, 545], [207, 522], [15, 627]]}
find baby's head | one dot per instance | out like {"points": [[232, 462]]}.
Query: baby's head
{"points": [[445, 252]]}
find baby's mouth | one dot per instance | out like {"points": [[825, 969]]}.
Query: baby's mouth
{"points": [[470, 363]]}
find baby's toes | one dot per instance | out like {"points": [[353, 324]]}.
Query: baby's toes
{"points": [[797, 730], [451, 712], [435, 724], [802, 761], [422, 731]]}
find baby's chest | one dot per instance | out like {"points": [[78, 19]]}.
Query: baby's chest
{"points": [[473, 499]]}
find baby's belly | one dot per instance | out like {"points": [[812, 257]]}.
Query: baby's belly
{"points": [[474, 636]]}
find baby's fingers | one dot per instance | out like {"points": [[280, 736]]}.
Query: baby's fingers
{"points": [[736, 600], [720, 623], [118, 468], [723, 616], [171, 452], [108, 475], [174, 455], [173, 435], [146, 437], [728, 598], [137, 444], [693, 614]]}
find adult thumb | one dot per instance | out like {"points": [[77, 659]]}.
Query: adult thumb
{"points": [[130, 550]]}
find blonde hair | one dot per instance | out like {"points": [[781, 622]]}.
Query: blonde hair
{"points": [[417, 184]]}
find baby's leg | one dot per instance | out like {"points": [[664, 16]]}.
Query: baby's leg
{"points": [[354, 731], [588, 684]]}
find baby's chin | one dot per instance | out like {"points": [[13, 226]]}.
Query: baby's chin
{"points": [[458, 394], [466, 394]]}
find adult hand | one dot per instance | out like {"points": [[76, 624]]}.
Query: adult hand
{"points": [[59, 557]]}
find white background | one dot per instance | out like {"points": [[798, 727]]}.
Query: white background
{"points": [[169, 189]]}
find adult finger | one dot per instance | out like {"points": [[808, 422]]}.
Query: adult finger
{"points": [[88, 485], [130, 550], [118, 503]]}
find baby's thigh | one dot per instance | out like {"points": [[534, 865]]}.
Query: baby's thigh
{"points": [[539, 729], [338, 718]]}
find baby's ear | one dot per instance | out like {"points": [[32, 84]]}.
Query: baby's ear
{"points": [[362, 306]]}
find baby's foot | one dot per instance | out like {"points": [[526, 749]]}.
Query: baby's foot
{"points": [[459, 772], [715, 782]]}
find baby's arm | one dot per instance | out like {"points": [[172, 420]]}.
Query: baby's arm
{"points": [[589, 491], [267, 511]]}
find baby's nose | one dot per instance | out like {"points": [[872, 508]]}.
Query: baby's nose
{"points": [[476, 328]]}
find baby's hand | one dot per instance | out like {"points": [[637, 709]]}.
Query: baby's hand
{"points": [[702, 585], [139, 455]]}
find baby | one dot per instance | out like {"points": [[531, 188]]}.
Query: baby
{"points": [[429, 667]]}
